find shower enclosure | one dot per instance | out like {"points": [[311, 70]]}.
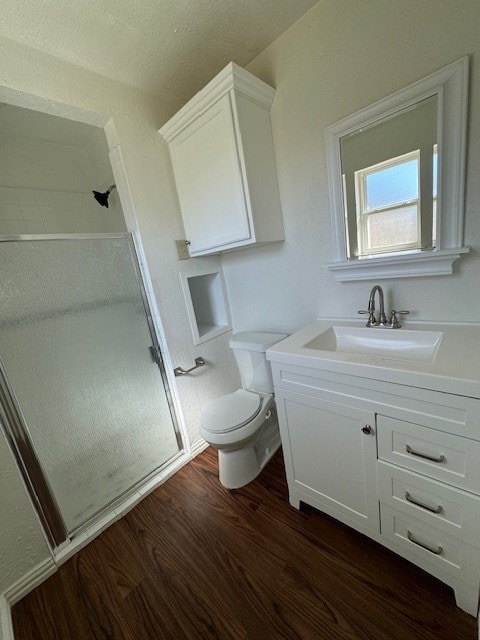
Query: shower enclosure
{"points": [[85, 400]]}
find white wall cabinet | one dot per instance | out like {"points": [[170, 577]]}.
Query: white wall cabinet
{"points": [[223, 161], [412, 482]]}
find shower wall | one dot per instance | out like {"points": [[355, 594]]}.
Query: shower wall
{"points": [[50, 211], [47, 175]]}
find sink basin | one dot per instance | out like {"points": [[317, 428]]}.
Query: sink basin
{"points": [[396, 344]]}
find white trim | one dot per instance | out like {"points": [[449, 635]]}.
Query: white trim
{"points": [[232, 76], [6, 628], [198, 447], [29, 581], [404, 265], [450, 85]]}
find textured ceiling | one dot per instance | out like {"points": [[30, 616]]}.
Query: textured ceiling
{"points": [[162, 46]]}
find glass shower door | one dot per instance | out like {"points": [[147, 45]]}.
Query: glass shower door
{"points": [[76, 346]]}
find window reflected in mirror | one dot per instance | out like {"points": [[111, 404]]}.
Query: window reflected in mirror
{"points": [[389, 177]]}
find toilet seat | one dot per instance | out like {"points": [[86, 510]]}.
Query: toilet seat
{"points": [[231, 411]]}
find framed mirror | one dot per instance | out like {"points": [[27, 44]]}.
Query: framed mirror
{"points": [[396, 180]]}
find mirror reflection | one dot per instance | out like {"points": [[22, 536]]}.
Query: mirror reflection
{"points": [[389, 175]]}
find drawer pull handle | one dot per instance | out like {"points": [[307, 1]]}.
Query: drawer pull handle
{"points": [[437, 551], [438, 509], [409, 449]]}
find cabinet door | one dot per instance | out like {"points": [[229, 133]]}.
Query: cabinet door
{"points": [[330, 460], [209, 181]]}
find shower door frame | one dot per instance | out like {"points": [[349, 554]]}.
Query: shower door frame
{"points": [[16, 429]]}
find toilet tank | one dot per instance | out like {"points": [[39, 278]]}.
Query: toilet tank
{"points": [[249, 350]]}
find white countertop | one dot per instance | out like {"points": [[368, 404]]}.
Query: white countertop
{"points": [[455, 369]]}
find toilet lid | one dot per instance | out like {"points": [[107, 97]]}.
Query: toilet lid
{"points": [[231, 411]]}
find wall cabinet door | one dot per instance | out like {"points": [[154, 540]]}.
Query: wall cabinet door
{"points": [[209, 180], [221, 146], [330, 457]]}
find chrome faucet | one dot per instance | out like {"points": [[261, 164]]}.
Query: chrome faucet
{"points": [[394, 322], [382, 319]]}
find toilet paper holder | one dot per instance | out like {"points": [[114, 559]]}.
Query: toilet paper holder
{"points": [[179, 371]]}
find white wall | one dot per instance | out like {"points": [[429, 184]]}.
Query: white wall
{"points": [[34, 79], [340, 57], [46, 186], [37, 164], [22, 544]]}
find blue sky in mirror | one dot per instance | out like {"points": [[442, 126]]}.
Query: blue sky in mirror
{"points": [[392, 185]]}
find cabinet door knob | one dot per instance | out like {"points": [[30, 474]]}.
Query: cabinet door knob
{"points": [[367, 429]]}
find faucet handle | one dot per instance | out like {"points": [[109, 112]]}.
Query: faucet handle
{"points": [[394, 321], [371, 322]]}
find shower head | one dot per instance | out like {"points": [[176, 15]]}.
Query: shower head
{"points": [[102, 198]]}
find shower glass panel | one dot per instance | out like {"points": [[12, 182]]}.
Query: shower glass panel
{"points": [[75, 343]]}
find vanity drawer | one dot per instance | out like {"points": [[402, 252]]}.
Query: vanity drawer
{"points": [[430, 548], [443, 456], [453, 511], [433, 409]]}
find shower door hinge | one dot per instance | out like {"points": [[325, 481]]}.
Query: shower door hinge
{"points": [[156, 355]]}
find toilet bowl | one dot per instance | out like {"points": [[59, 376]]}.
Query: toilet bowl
{"points": [[243, 425]]}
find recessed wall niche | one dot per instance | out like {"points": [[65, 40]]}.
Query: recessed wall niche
{"points": [[207, 305]]}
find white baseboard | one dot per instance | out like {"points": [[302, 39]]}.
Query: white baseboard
{"points": [[17, 591], [6, 629], [197, 447], [29, 581]]}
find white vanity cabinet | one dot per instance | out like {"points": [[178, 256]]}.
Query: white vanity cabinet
{"points": [[223, 160], [331, 454], [399, 463]]}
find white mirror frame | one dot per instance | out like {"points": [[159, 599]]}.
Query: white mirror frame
{"points": [[450, 86]]}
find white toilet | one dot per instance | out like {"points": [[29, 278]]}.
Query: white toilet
{"points": [[243, 425]]}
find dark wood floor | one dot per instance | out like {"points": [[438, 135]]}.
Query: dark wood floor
{"points": [[195, 561]]}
